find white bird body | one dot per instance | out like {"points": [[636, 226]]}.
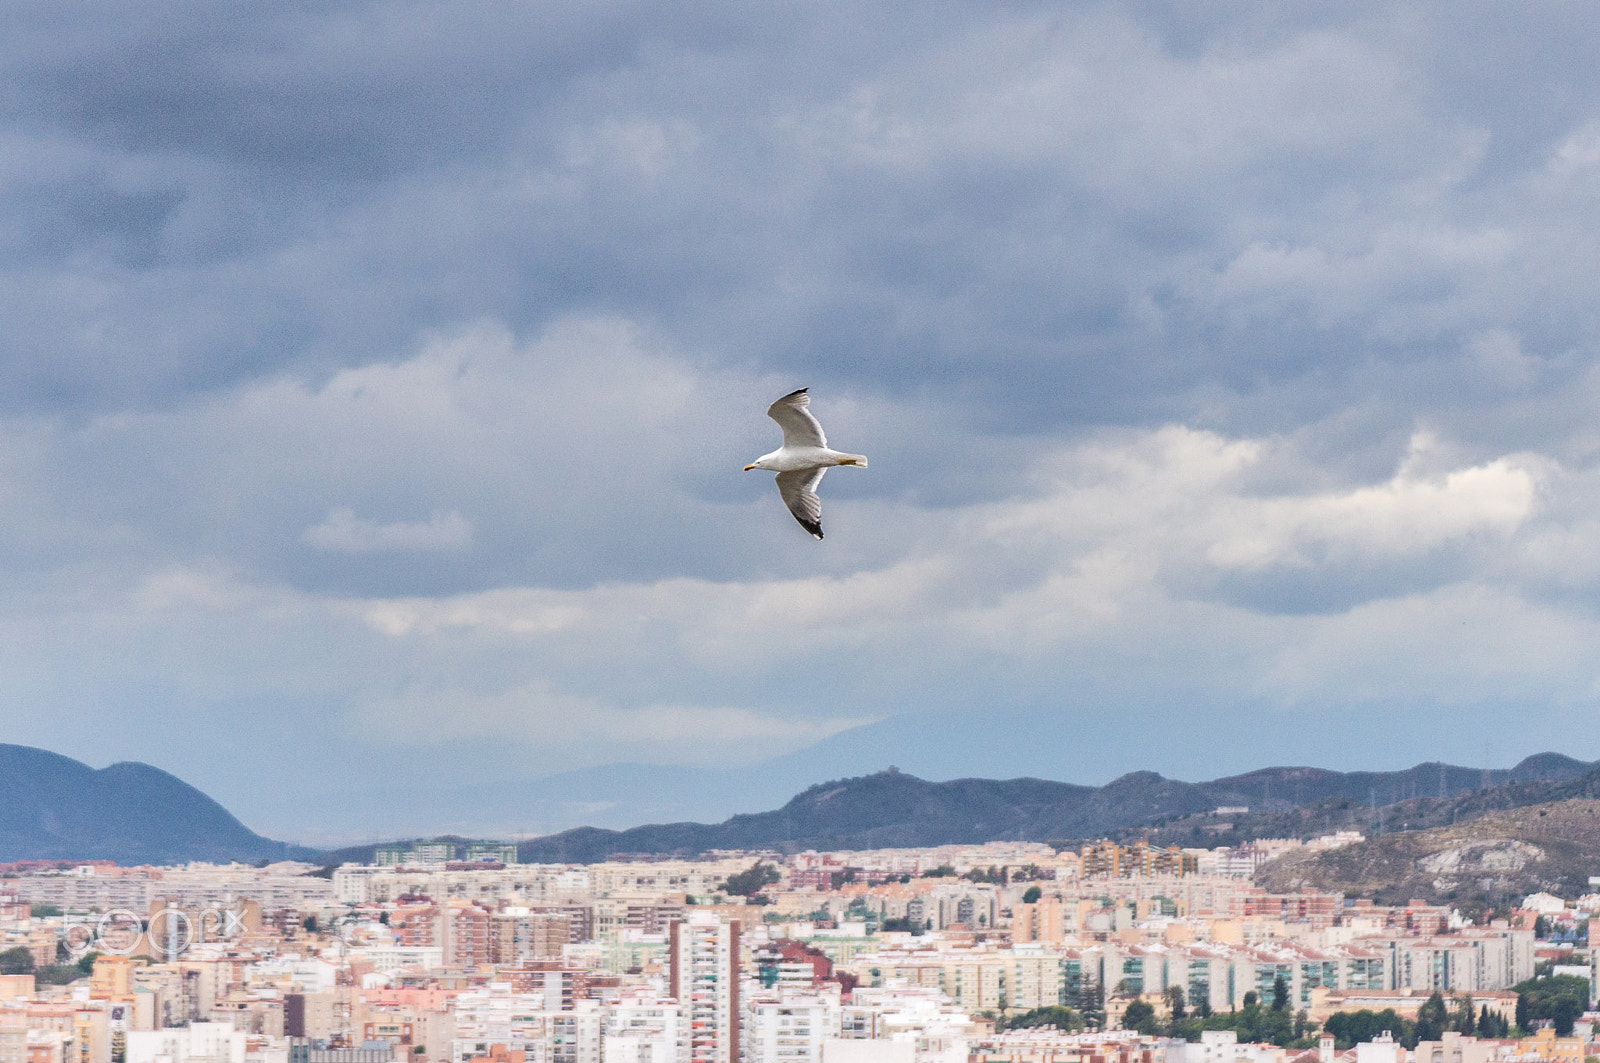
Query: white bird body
{"points": [[803, 458], [797, 459]]}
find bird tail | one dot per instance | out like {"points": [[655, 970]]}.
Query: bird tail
{"points": [[858, 460]]}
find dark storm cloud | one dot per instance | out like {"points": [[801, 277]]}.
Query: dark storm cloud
{"points": [[881, 197], [436, 335]]}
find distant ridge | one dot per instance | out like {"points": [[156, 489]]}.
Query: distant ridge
{"points": [[56, 808], [891, 808]]}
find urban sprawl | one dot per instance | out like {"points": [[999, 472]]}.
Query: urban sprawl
{"points": [[1009, 952]]}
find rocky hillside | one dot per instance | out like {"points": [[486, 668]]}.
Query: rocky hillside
{"points": [[1553, 847]]}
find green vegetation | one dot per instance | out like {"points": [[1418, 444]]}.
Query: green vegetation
{"points": [[749, 882], [44, 911], [1350, 1028], [1142, 1017], [942, 871], [1279, 1024], [57, 974], [1064, 1019], [1032, 895], [16, 961], [1434, 1018], [1560, 999], [1175, 1008]]}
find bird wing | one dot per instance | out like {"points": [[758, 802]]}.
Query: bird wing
{"points": [[800, 429], [799, 492]]}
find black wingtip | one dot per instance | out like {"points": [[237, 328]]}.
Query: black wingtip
{"points": [[796, 391], [814, 527]]}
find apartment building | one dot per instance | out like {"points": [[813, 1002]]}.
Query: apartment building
{"points": [[641, 1027], [704, 976], [788, 1024]]}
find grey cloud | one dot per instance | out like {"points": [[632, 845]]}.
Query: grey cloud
{"points": [[1042, 189], [543, 266]]}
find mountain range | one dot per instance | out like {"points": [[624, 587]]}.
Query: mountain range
{"points": [[891, 808], [60, 809]]}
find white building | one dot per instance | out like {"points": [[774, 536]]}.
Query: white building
{"points": [[394, 957], [641, 1027], [790, 1024], [1222, 1046], [495, 1015], [705, 974], [199, 1042]]}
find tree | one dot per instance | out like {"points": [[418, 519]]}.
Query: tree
{"points": [[749, 882], [44, 911], [1140, 1016], [310, 923], [16, 961], [1564, 1014], [1250, 999], [1561, 999], [1350, 1028], [1093, 995], [1280, 994], [1032, 894], [911, 926], [1064, 1019], [1433, 1018], [1175, 1003], [1466, 1019]]}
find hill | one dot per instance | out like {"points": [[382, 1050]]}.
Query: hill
{"points": [[892, 808], [1539, 779], [60, 809], [57, 808], [1552, 847]]}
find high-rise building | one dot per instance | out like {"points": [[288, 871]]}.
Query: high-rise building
{"points": [[517, 935], [466, 934], [704, 980]]}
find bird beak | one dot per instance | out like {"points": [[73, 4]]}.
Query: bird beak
{"points": [[747, 468]]}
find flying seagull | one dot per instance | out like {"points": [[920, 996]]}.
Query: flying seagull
{"points": [[802, 459]]}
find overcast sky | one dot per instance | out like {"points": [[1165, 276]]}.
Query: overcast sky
{"points": [[375, 381]]}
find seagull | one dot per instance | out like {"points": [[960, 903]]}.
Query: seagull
{"points": [[802, 459]]}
